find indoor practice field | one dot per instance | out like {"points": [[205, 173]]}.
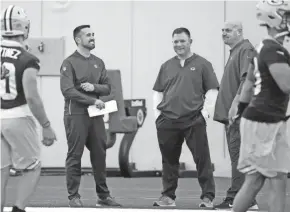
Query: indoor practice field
{"points": [[131, 192]]}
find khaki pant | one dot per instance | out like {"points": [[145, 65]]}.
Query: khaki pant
{"points": [[20, 145]]}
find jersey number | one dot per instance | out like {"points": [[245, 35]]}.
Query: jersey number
{"points": [[8, 89], [258, 81]]}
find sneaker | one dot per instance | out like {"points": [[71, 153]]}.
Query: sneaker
{"points": [[16, 209], [164, 201], [75, 202], [108, 201], [226, 204], [206, 203]]}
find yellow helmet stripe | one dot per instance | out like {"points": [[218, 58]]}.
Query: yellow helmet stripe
{"points": [[7, 18]]}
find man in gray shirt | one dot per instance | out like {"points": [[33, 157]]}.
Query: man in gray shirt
{"points": [[183, 83], [228, 98]]}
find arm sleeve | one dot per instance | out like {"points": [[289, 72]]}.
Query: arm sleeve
{"points": [[157, 98], [209, 102], [209, 78], [160, 82], [103, 88], [68, 88]]}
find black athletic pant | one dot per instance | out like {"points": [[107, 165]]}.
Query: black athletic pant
{"points": [[81, 131], [234, 143], [171, 138]]}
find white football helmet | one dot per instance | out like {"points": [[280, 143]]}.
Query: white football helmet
{"points": [[274, 13], [14, 21]]}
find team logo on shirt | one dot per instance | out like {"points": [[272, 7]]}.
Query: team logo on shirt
{"points": [[192, 68], [96, 66], [63, 68]]}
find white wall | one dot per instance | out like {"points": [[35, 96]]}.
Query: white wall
{"points": [[135, 37]]}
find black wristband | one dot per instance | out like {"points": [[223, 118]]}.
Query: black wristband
{"points": [[241, 107], [46, 124], [286, 118]]}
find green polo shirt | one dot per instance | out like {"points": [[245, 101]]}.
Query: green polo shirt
{"points": [[184, 88], [234, 74]]}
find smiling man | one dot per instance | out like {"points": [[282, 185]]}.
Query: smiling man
{"points": [[241, 52], [184, 97], [83, 80]]}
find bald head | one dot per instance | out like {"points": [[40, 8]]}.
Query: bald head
{"points": [[234, 25], [232, 32]]}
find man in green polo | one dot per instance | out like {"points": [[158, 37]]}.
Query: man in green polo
{"points": [[184, 94], [233, 78]]}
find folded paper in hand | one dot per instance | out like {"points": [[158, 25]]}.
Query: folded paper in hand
{"points": [[110, 106]]}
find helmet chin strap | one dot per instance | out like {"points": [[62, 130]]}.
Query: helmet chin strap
{"points": [[286, 32], [281, 34], [286, 41]]}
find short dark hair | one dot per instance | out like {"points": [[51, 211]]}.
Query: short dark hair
{"points": [[78, 29], [181, 30]]}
